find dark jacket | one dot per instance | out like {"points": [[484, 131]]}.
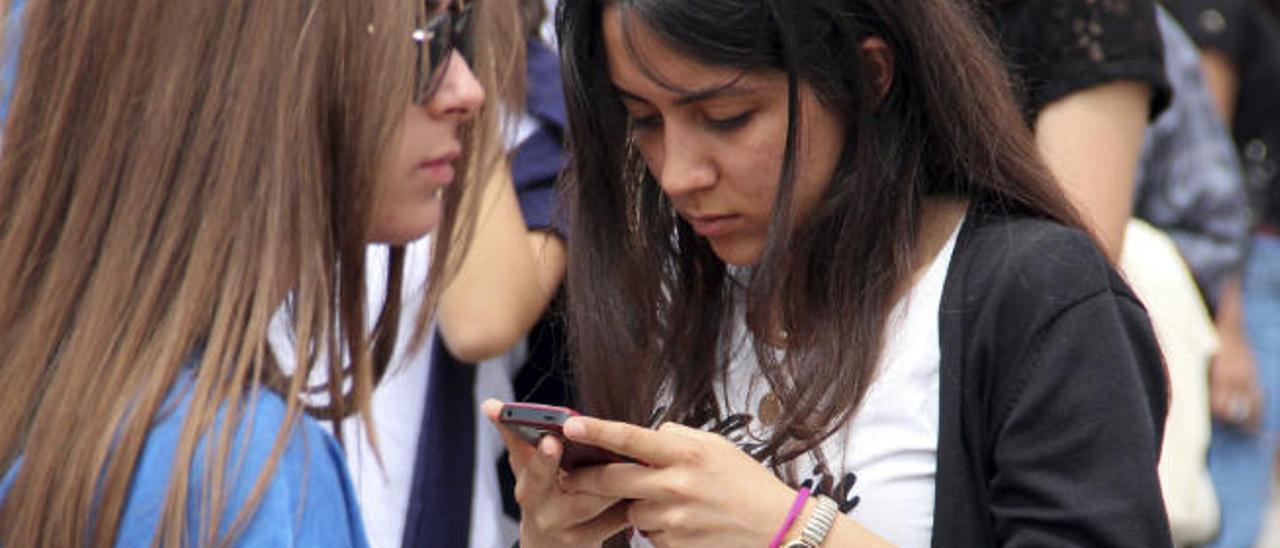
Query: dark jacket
{"points": [[1053, 394]]}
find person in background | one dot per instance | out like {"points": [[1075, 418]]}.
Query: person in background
{"points": [[1185, 244], [1090, 76], [1239, 42], [498, 333], [173, 174], [1190, 182]]}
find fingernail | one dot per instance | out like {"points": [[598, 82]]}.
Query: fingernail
{"points": [[574, 428]]}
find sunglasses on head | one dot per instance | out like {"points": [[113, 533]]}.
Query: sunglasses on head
{"points": [[435, 40]]}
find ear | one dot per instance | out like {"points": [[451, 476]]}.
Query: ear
{"points": [[879, 59]]}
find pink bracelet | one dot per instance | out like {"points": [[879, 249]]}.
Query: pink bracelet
{"points": [[796, 508]]}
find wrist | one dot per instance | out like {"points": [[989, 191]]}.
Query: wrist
{"points": [[793, 533], [813, 525], [794, 516]]}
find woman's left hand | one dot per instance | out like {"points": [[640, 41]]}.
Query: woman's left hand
{"points": [[696, 489]]}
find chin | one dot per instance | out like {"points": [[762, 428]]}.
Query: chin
{"points": [[407, 227], [737, 255]]}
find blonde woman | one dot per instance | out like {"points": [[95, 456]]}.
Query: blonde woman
{"points": [[173, 172]]}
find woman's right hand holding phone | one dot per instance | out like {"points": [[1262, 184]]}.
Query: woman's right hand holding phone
{"points": [[551, 516]]}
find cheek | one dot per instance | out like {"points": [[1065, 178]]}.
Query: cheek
{"points": [[406, 145], [403, 208], [755, 167], [393, 174]]}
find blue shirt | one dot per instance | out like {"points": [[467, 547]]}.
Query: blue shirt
{"points": [[9, 56], [309, 500]]}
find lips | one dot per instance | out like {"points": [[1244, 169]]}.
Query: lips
{"points": [[439, 170], [711, 226]]}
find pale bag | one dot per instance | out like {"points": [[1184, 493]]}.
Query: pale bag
{"points": [[1156, 272]]}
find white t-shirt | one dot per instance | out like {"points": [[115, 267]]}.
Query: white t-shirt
{"points": [[883, 463]]}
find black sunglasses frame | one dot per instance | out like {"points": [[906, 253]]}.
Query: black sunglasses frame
{"points": [[436, 41]]}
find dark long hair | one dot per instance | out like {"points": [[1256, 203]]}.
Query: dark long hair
{"points": [[650, 307]]}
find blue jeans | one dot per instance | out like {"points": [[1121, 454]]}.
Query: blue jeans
{"points": [[1241, 462]]}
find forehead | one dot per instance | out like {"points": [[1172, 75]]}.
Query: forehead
{"points": [[641, 62]]}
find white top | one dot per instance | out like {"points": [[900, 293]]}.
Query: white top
{"points": [[886, 457], [548, 30], [397, 405]]}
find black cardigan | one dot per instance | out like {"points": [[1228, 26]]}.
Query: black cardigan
{"points": [[1053, 394]]}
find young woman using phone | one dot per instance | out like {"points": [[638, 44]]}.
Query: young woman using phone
{"points": [[173, 173], [815, 248]]}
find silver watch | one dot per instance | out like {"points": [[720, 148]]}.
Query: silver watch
{"points": [[819, 524]]}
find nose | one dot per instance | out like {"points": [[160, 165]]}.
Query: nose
{"points": [[684, 167], [460, 95]]}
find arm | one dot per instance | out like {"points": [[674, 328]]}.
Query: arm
{"points": [[504, 283], [1223, 82], [1091, 141], [1233, 375], [1078, 431]]}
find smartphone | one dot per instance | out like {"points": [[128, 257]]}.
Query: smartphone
{"points": [[532, 421]]}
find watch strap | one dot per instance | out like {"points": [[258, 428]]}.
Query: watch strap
{"points": [[820, 522]]}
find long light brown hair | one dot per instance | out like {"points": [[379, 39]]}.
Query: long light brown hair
{"points": [[172, 172]]}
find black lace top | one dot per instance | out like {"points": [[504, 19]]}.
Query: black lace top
{"points": [[1057, 47], [1250, 36]]}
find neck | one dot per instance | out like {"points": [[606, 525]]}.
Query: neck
{"points": [[938, 220]]}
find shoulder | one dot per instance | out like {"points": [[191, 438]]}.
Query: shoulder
{"points": [[1020, 287], [310, 489], [307, 497], [1035, 261], [1054, 384], [1028, 296]]}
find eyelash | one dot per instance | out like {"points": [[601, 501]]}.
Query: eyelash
{"points": [[646, 122], [724, 125], [732, 123]]}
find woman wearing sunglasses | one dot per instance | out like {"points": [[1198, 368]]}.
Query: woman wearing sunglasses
{"points": [[174, 173]]}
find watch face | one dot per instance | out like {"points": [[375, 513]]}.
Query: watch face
{"points": [[797, 544]]}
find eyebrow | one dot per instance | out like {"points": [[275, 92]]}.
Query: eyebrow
{"points": [[730, 89]]}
